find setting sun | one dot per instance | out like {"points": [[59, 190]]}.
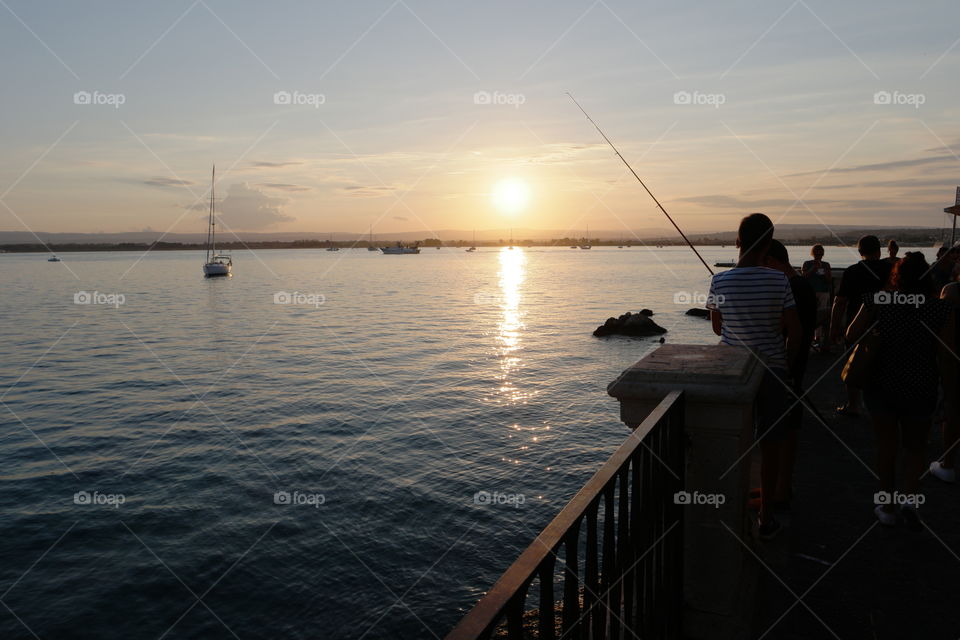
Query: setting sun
{"points": [[511, 195]]}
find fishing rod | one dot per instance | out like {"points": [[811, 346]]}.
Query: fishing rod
{"points": [[650, 193]]}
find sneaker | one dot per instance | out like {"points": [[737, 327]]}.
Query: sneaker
{"points": [[768, 530], [943, 473], [911, 517], [886, 518]]}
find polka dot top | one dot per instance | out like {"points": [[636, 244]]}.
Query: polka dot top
{"points": [[906, 363]]}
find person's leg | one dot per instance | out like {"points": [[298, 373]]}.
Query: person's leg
{"points": [[788, 458], [852, 406], [915, 431], [951, 434], [886, 436], [770, 452]]}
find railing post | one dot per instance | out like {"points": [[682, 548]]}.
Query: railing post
{"points": [[720, 384]]}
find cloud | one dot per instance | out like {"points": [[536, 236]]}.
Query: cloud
{"points": [[719, 201], [282, 186], [368, 191], [884, 166], [247, 208], [168, 182], [275, 165]]}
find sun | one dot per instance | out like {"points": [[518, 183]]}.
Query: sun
{"points": [[511, 195]]}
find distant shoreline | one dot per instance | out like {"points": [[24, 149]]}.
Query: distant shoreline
{"points": [[906, 237]]}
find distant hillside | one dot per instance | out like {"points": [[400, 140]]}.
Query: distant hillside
{"points": [[657, 235]]}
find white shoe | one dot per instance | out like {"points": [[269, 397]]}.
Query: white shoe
{"points": [[947, 475], [885, 517]]}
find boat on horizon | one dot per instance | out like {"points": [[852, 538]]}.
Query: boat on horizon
{"points": [[53, 258], [586, 241], [473, 247], [370, 245], [400, 249], [216, 264]]}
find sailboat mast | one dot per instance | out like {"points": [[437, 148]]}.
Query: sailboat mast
{"points": [[213, 217]]}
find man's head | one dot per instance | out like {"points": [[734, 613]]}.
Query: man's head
{"points": [[754, 235], [777, 257], [893, 248], [869, 247], [947, 258], [817, 252]]}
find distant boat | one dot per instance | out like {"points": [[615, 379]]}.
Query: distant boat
{"points": [[511, 239], [400, 250], [53, 258], [586, 241], [216, 264], [473, 247], [370, 245], [330, 245]]}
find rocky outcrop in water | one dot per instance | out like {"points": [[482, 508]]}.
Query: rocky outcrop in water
{"points": [[699, 313], [630, 324]]}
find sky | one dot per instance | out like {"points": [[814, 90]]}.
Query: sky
{"points": [[406, 115]]}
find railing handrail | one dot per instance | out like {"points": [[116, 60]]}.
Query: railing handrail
{"points": [[492, 606]]}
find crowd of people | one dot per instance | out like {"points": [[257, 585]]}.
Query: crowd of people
{"points": [[893, 319]]}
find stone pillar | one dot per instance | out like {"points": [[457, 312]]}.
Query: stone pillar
{"points": [[720, 384]]}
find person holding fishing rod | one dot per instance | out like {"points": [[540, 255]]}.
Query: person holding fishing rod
{"points": [[753, 306]]}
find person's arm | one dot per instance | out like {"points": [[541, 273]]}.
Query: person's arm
{"points": [[837, 317], [794, 333], [716, 321], [951, 293], [863, 321], [947, 353]]}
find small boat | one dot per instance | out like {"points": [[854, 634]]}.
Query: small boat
{"points": [[400, 250], [330, 245], [370, 245], [216, 264], [586, 241], [473, 247], [53, 258]]}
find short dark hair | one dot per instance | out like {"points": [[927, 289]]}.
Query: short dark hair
{"points": [[814, 248], [868, 245], [778, 252], [755, 233], [893, 246]]}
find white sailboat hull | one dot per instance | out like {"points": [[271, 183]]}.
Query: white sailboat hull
{"points": [[217, 269], [399, 250]]}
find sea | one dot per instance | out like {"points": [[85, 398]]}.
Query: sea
{"points": [[324, 445]]}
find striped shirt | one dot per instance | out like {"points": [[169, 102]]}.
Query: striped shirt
{"points": [[751, 301]]}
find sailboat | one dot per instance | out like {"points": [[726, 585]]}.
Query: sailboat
{"points": [[400, 250], [216, 264], [473, 247], [53, 258], [370, 245], [511, 240], [586, 241], [330, 245]]}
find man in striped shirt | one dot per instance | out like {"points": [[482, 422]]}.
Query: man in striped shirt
{"points": [[753, 307]]}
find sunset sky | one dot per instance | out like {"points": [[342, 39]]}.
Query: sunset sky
{"points": [[411, 113]]}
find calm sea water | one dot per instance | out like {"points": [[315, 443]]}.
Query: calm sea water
{"points": [[197, 460]]}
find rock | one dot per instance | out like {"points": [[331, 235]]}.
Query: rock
{"points": [[700, 313], [630, 324]]}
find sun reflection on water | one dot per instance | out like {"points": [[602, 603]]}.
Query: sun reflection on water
{"points": [[510, 328]]}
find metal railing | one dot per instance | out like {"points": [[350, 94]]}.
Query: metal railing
{"points": [[630, 584]]}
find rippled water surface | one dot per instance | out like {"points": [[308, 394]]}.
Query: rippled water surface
{"points": [[418, 382]]}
